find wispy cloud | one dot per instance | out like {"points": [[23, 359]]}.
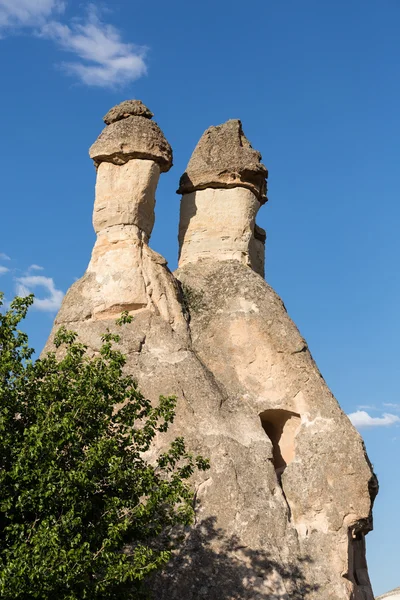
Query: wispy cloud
{"points": [[3, 270], [35, 268], [4, 256], [392, 406], [102, 58], [361, 419], [27, 13], [51, 302]]}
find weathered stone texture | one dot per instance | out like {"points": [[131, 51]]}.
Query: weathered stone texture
{"points": [[265, 528], [132, 137], [126, 109], [242, 333], [225, 158], [220, 223], [125, 195], [221, 192]]}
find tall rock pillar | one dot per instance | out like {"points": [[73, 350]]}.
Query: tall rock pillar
{"points": [[303, 487], [222, 190], [124, 273]]}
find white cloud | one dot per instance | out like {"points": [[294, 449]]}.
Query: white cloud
{"points": [[3, 270], [4, 256], [51, 303], [361, 419], [104, 59], [35, 268], [27, 13]]}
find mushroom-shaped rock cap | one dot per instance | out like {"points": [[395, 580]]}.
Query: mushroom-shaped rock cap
{"points": [[127, 108], [224, 158], [131, 136]]}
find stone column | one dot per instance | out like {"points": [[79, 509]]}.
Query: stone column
{"points": [[222, 190], [129, 155]]}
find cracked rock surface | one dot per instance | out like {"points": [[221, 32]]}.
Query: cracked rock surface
{"points": [[127, 109], [224, 157], [131, 134]]}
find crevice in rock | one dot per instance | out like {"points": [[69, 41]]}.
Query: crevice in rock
{"points": [[357, 571], [304, 348], [281, 427], [142, 343]]}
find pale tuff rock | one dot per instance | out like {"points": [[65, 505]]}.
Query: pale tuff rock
{"points": [[222, 188], [243, 334], [125, 195], [224, 158], [220, 223], [284, 509], [131, 135]]}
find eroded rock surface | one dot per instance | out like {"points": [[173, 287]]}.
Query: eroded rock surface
{"points": [[220, 223], [284, 509], [224, 157], [127, 109], [124, 273], [131, 135], [316, 461], [222, 190]]}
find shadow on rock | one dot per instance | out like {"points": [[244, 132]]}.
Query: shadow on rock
{"points": [[214, 565]]}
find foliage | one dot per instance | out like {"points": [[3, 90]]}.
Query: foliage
{"points": [[83, 515], [192, 299]]}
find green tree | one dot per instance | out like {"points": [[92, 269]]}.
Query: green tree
{"points": [[82, 513]]}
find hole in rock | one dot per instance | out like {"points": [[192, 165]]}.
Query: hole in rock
{"points": [[281, 427]]}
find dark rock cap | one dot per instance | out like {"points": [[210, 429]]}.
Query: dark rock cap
{"points": [[126, 109], [131, 135], [224, 158]]}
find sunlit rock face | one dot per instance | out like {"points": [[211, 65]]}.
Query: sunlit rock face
{"points": [[124, 273], [220, 224], [222, 189], [284, 510]]}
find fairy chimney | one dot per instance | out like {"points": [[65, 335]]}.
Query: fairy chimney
{"points": [[125, 273], [222, 189], [285, 507]]}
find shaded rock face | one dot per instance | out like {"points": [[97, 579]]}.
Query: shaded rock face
{"points": [[285, 507]]}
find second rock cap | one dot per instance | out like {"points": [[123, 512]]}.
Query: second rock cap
{"points": [[224, 158]]}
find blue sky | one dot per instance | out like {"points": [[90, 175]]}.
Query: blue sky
{"points": [[317, 87]]}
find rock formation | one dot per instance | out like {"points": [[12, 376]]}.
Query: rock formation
{"points": [[285, 507], [223, 188], [124, 274]]}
